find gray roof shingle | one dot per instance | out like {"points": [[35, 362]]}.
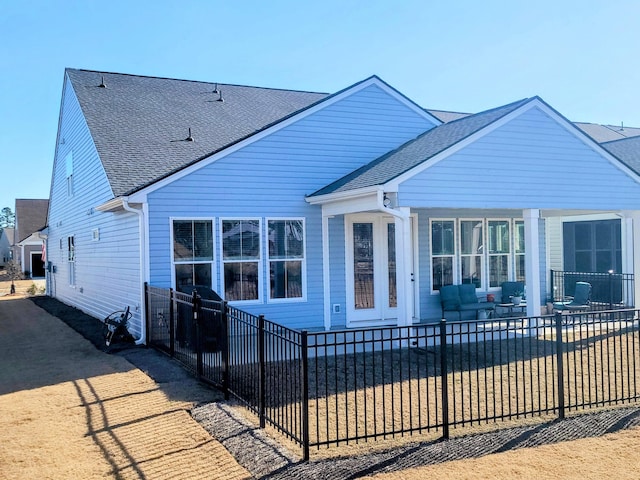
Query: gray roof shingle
{"points": [[139, 124], [418, 150], [627, 150], [31, 216]]}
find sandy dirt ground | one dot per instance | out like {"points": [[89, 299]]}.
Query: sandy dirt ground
{"points": [[69, 410], [72, 411]]}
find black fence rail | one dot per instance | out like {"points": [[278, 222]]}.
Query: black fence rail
{"points": [[336, 387], [608, 290]]}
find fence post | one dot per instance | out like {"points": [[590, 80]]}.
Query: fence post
{"points": [[225, 351], [196, 320], [147, 310], [172, 324], [560, 364], [443, 379], [261, 374], [305, 395]]}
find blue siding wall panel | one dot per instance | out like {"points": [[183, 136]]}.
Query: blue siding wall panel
{"points": [[107, 270], [270, 178], [530, 162]]}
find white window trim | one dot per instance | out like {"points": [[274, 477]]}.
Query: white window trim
{"points": [[213, 249], [455, 255], [303, 271], [457, 264], [259, 260]]}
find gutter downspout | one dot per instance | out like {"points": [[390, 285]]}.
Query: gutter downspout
{"points": [[125, 205], [403, 234]]}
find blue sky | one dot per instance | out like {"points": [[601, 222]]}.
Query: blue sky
{"points": [[579, 56]]}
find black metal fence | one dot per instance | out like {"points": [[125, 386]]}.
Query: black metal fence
{"points": [[608, 290], [330, 388]]}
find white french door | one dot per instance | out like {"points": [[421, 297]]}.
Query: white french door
{"points": [[371, 270]]}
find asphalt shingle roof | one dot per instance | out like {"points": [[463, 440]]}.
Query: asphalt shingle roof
{"points": [[627, 150], [416, 151], [31, 216], [139, 124]]}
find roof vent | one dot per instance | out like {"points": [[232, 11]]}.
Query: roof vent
{"points": [[622, 126], [102, 84], [189, 138], [215, 88], [220, 99]]}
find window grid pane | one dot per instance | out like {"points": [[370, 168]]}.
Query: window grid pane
{"points": [[241, 239]]}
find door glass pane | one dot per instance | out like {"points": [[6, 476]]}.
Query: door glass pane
{"points": [[391, 264], [363, 265]]}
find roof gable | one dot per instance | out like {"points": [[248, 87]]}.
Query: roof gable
{"points": [[417, 151], [140, 125]]}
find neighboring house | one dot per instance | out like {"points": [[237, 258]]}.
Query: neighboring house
{"points": [[316, 210], [6, 240], [31, 218]]}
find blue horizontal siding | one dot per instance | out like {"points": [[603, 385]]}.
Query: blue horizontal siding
{"points": [[530, 162], [272, 176], [107, 271]]}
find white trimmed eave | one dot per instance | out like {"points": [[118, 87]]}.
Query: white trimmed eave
{"points": [[352, 201], [533, 103], [141, 195], [117, 205]]}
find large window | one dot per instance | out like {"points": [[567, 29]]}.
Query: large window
{"points": [[286, 258], [193, 252], [241, 259], [483, 252]]}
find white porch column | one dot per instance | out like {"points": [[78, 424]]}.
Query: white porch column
{"points": [[532, 260], [326, 280], [404, 285], [635, 216]]}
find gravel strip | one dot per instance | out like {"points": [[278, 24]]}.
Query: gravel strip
{"points": [[265, 459]]}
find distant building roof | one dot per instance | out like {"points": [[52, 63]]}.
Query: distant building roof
{"points": [[627, 150], [31, 216], [9, 233]]}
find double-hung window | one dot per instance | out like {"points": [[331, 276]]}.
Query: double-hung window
{"points": [[71, 259], [241, 241], [193, 252], [286, 258], [518, 249], [442, 252]]}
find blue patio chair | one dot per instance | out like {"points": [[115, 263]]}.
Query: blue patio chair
{"points": [[580, 302]]}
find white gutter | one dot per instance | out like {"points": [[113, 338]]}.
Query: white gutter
{"points": [[125, 205]]}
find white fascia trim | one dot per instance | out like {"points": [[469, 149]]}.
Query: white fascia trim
{"points": [[140, 196], [341, 196], [112, 205]]}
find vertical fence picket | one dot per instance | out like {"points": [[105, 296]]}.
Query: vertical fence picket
{"points": [[172, 324], [262, 388], [560, 364], [443, 378], [304, 417]]}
